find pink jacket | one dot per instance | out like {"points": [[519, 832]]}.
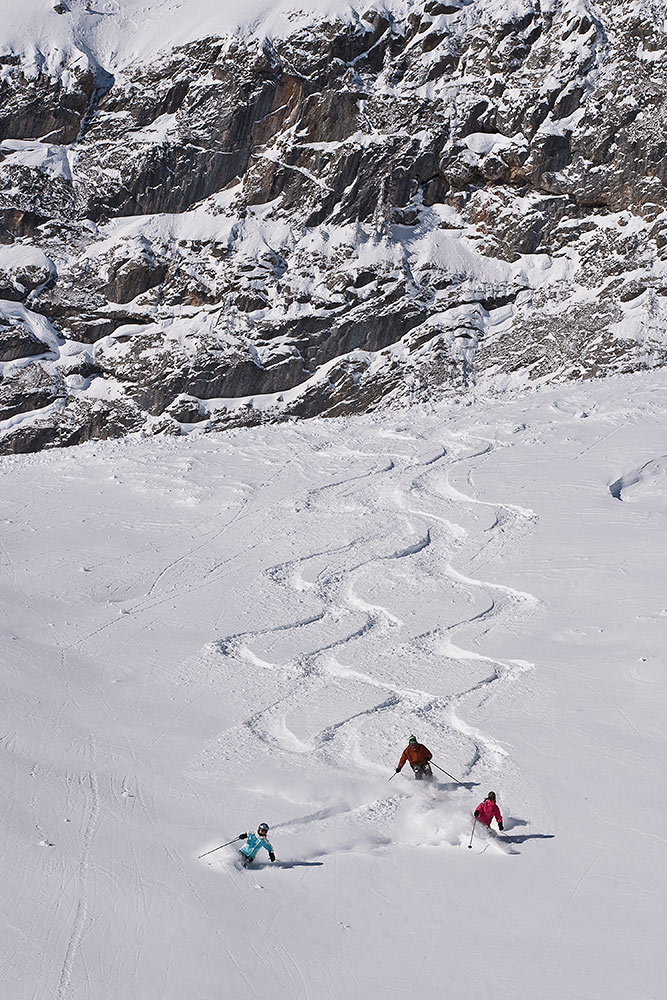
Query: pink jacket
{"points": [[486, 811]]}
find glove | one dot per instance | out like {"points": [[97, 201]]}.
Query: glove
{"points": [[242, 836], [476, 814], [398, 770], [500, 826], [272, 856]]}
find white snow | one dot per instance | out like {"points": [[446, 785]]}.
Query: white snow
{"points": [[52, 160], [203, 633], [485, 142], [23, 256], [115, 33]]}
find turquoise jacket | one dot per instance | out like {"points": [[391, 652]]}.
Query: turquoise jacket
{"points": [[253, 844]]}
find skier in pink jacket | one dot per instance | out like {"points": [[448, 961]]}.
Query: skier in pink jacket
{"points": [[488, 810]]}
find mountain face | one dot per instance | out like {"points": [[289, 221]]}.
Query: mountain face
{"points": [[374, 206]]}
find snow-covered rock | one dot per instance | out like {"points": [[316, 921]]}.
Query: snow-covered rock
{"points": [[284, 213]]}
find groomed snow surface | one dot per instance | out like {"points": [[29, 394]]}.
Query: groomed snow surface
{"points": [[204, 633]]}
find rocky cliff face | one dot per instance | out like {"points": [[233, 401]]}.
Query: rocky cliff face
{"points": [[372, 208]]}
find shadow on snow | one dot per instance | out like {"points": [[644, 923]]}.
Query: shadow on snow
{"points": [[521, 838], [292, 864]]}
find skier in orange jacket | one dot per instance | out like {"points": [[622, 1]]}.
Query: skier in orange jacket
{"points": [[419, 756]]}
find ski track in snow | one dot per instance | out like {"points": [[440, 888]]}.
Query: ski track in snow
{"points": [[89, 782], [424, 509]]}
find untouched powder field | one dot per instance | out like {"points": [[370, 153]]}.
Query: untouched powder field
{"points": [[205, 633]]}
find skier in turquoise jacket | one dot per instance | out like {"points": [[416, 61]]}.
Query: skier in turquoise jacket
{"points": [[255, 841]]}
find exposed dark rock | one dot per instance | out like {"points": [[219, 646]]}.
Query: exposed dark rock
{"points": [[130, 278], [18, 278], [164, 425], [29, 388], [187, 410], [38, 107], [75, 423], [16, 341], [15, 224], [155, 374]]}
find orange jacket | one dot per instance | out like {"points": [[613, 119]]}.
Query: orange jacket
{"points": [[417, 754]]}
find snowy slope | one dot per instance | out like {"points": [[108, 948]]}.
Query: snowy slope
{"points": [[116, 33], [207, 632]]}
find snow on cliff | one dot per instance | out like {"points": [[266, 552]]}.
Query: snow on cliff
{"points": [[287, 222], [116, 33]]}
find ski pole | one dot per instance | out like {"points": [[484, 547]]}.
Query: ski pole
{"points": [[393, 775], [447, 773], [474, 823], [218, 848]]}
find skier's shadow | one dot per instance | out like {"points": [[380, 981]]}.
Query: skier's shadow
{"points": [[451, 786], [530, 836], [298, 864], [521, 838]]}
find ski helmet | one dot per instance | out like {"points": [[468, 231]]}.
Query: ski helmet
{"points": [[492, 796], [413, 739], [263, 828]]}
